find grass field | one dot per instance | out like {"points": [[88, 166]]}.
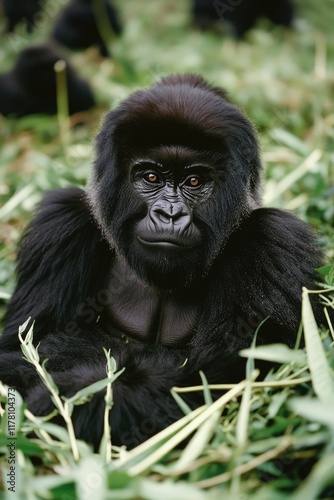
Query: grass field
{"points": [[271, 440]]}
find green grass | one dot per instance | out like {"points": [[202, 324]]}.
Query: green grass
{"points": [[272, 440]]}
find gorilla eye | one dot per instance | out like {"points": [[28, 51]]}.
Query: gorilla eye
{"points": [[152, 178], [194, 181]]}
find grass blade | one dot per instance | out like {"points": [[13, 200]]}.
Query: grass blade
{"points": [[322, 377]]}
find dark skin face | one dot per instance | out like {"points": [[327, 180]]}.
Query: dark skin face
{"points": [[172, 186]]}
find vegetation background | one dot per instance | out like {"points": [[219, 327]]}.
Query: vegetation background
{"points": [[269, 444]]}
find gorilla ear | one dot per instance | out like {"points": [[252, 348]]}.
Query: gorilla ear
{"points": [[104, 143]]}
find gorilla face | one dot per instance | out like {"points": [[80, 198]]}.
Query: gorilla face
{"points": [[186, 164], [170, 201], [168, 238]]}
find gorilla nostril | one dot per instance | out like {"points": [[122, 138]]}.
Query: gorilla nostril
{"points": [[173, 214], [163, 216]]}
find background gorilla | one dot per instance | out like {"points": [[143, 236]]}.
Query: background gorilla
{"points": [[79, 26], [167, 257], [17, 11], [242, 14], [31, 86]]}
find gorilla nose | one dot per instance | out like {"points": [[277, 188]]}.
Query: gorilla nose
{"points": [[166, 212]]}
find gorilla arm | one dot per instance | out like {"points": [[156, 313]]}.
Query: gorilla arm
{"points": [[272, 256], [142, 402], [60, 263]]}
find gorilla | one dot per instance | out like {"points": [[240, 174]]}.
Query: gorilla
{"points": [[17, 11], [79, 26], [242, 14], [31, 88], [167, 259]]}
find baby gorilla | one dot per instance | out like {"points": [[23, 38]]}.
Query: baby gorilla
{"points": [[242, 15], [167, 259], [31, 88], [81, 24], [17, 11]]}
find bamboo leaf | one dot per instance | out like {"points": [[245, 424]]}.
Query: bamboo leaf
{"points": [[315, 409], [279, 353], [322, 376]]}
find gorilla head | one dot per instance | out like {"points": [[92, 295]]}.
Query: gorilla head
{"points": [[31, 86], [177, 169]]}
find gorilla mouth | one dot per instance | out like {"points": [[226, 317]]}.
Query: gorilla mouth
{"points": [[164, 242]]}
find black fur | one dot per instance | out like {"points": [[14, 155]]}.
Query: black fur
{"points": [[250, 264], [242, 15], [17, 11], [30, 88], [77, 27]]}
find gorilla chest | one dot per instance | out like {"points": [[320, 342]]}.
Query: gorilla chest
{"points": [[142, 312]]}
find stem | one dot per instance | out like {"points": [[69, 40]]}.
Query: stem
{"points": [[62, 101], [108, 405], [32, 356]]}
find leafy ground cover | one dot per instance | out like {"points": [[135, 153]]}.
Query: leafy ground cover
{"points": [[270, 440]]}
